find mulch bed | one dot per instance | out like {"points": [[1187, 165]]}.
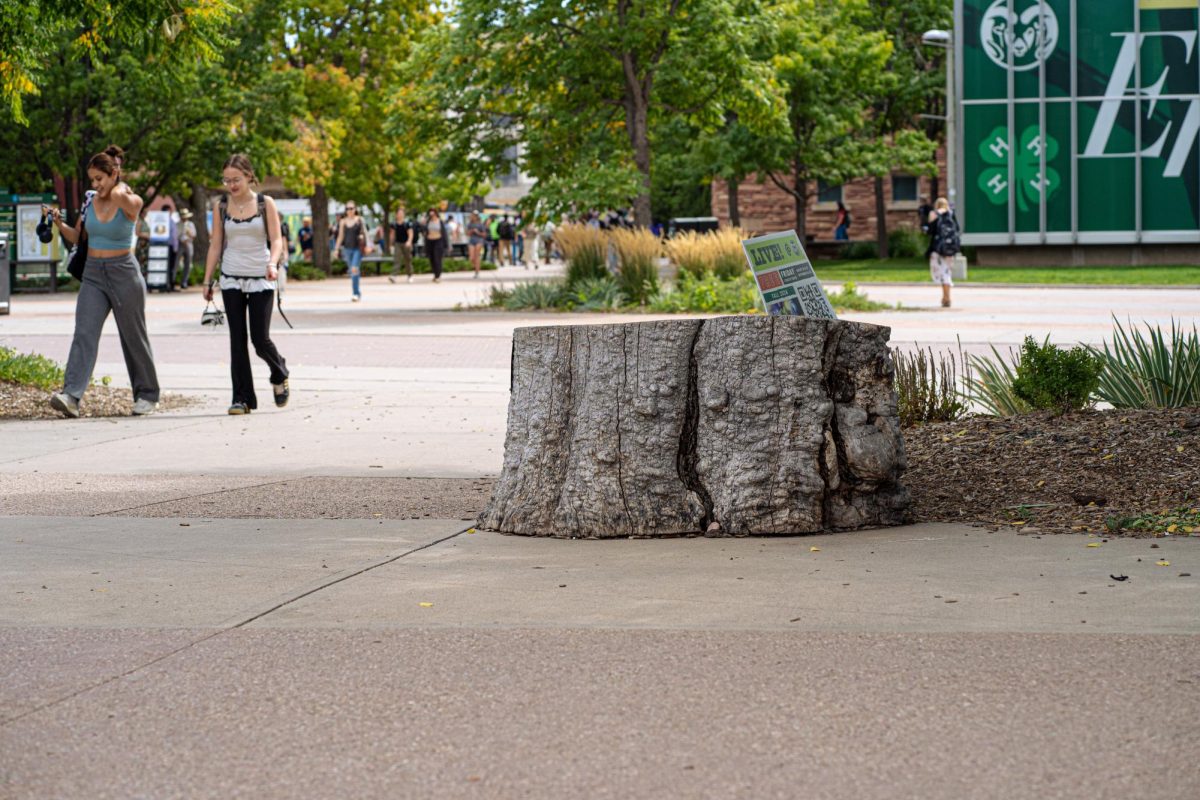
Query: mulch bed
{"points": [[28, 402], [1114, 472]]}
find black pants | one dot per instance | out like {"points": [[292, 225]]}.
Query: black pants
{"points": [[258, 304], [437, 249]]}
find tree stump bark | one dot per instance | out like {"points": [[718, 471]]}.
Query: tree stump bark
{"points": [[761, 425]]}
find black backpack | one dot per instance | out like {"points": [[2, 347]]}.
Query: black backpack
{"points": [[948, 239], [505, 230]]}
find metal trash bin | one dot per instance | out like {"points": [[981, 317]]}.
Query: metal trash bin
{"points": [[6, 275]]}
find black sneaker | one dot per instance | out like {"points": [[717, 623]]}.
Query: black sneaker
{"points": [[237, 409], [281, 393]]}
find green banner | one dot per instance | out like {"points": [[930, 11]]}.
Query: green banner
{"points": [[1097, 145]]}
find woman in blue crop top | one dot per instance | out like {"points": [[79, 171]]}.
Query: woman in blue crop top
{"points": [[112, 282]]}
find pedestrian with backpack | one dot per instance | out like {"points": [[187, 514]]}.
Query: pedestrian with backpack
{"points": [[944, 245], [246, 241]]}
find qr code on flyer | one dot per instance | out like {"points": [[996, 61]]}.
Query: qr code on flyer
{"points": [[815, 304]]}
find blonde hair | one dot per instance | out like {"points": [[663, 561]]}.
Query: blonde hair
{"points": [[942, 204]]}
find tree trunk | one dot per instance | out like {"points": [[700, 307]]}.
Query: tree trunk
{"points": [[800, 196], [735, 213], [319, 203], [200, 209], [881, 233], [731, 426]]}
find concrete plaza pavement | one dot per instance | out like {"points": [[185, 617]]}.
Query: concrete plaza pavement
{"points": [[291, 604]]}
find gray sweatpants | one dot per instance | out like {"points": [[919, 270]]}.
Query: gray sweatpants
{"points": [[112, 284]]}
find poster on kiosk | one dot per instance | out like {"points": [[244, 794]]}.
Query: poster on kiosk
{"points": [[160, 251]]}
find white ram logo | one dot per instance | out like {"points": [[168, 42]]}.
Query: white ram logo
{"points": [[1029, 35]]}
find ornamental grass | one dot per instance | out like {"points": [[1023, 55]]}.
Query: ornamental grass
{"points": [[719, 252], [586, 251], [637, 253]]}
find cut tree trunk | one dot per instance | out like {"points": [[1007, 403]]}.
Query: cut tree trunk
{"points": [[761, 425], [319, 205]]}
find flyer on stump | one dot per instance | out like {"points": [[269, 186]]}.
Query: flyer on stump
{"points": [[785, 276]]}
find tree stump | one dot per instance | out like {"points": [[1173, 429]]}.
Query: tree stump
{"points": [[761, 425]]}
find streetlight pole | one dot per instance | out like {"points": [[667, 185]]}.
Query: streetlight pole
{"points": [[945, 39]]}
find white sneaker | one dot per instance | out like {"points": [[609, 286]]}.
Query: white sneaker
{"points": [[143, 407], [409, 279], [64, 404]]}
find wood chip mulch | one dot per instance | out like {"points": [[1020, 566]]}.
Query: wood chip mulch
{"points": [[28, 402], [1113, 472]]}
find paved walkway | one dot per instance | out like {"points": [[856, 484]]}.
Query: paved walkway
{"points": [[290, 604]]}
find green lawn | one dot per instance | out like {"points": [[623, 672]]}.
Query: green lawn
{"points": [[908, 270]]}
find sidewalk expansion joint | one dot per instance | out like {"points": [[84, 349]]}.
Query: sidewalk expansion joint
{"points": [[222, 631]]}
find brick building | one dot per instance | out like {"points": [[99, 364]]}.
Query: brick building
{"points": [[765, 208]]}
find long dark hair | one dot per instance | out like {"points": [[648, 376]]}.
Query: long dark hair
{"points": [[108, 161]]}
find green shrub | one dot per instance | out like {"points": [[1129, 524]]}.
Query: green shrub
{"points": [[848, 298], [708, 293], [858, 251], [304, 271], [729, 266], [1055, 379], [535, 295], [30, 369], [1148, 371], [498, 296], [990, 384], [906, 242], [595, 294], [927, 387]]}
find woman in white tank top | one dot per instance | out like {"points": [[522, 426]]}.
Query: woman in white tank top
{"points": [[247, 243]]}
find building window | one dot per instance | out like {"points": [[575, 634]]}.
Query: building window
{"points": [[827, 193], [904, 188]]}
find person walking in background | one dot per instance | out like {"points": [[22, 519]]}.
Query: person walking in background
{"points": [[476, 237], [403, 237], [531, 236], [187, 247], [944, 245], [923, 213], [305, 237], [351, 240], [247, 243], [172, 248], [505, 231], [547, 240], [841, 223], [112, 282], [435, 242], [493, 226]]}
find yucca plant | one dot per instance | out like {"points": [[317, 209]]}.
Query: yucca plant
{"points": [[990, 384], [586, 251], [927, 386], [1145, 370], [637, 251], [596, 294]]}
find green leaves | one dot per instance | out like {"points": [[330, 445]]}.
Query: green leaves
{"points": [[1148, 370], [1048, 377]]}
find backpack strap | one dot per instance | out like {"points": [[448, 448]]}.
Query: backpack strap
{"points": [[262, 212]]}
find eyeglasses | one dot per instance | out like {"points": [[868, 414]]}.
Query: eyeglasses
{"points": [[351, 208], [231, 181]]}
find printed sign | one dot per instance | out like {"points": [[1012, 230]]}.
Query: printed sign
{"points": [[1080, 122], [29, 247], [785, 277]]}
